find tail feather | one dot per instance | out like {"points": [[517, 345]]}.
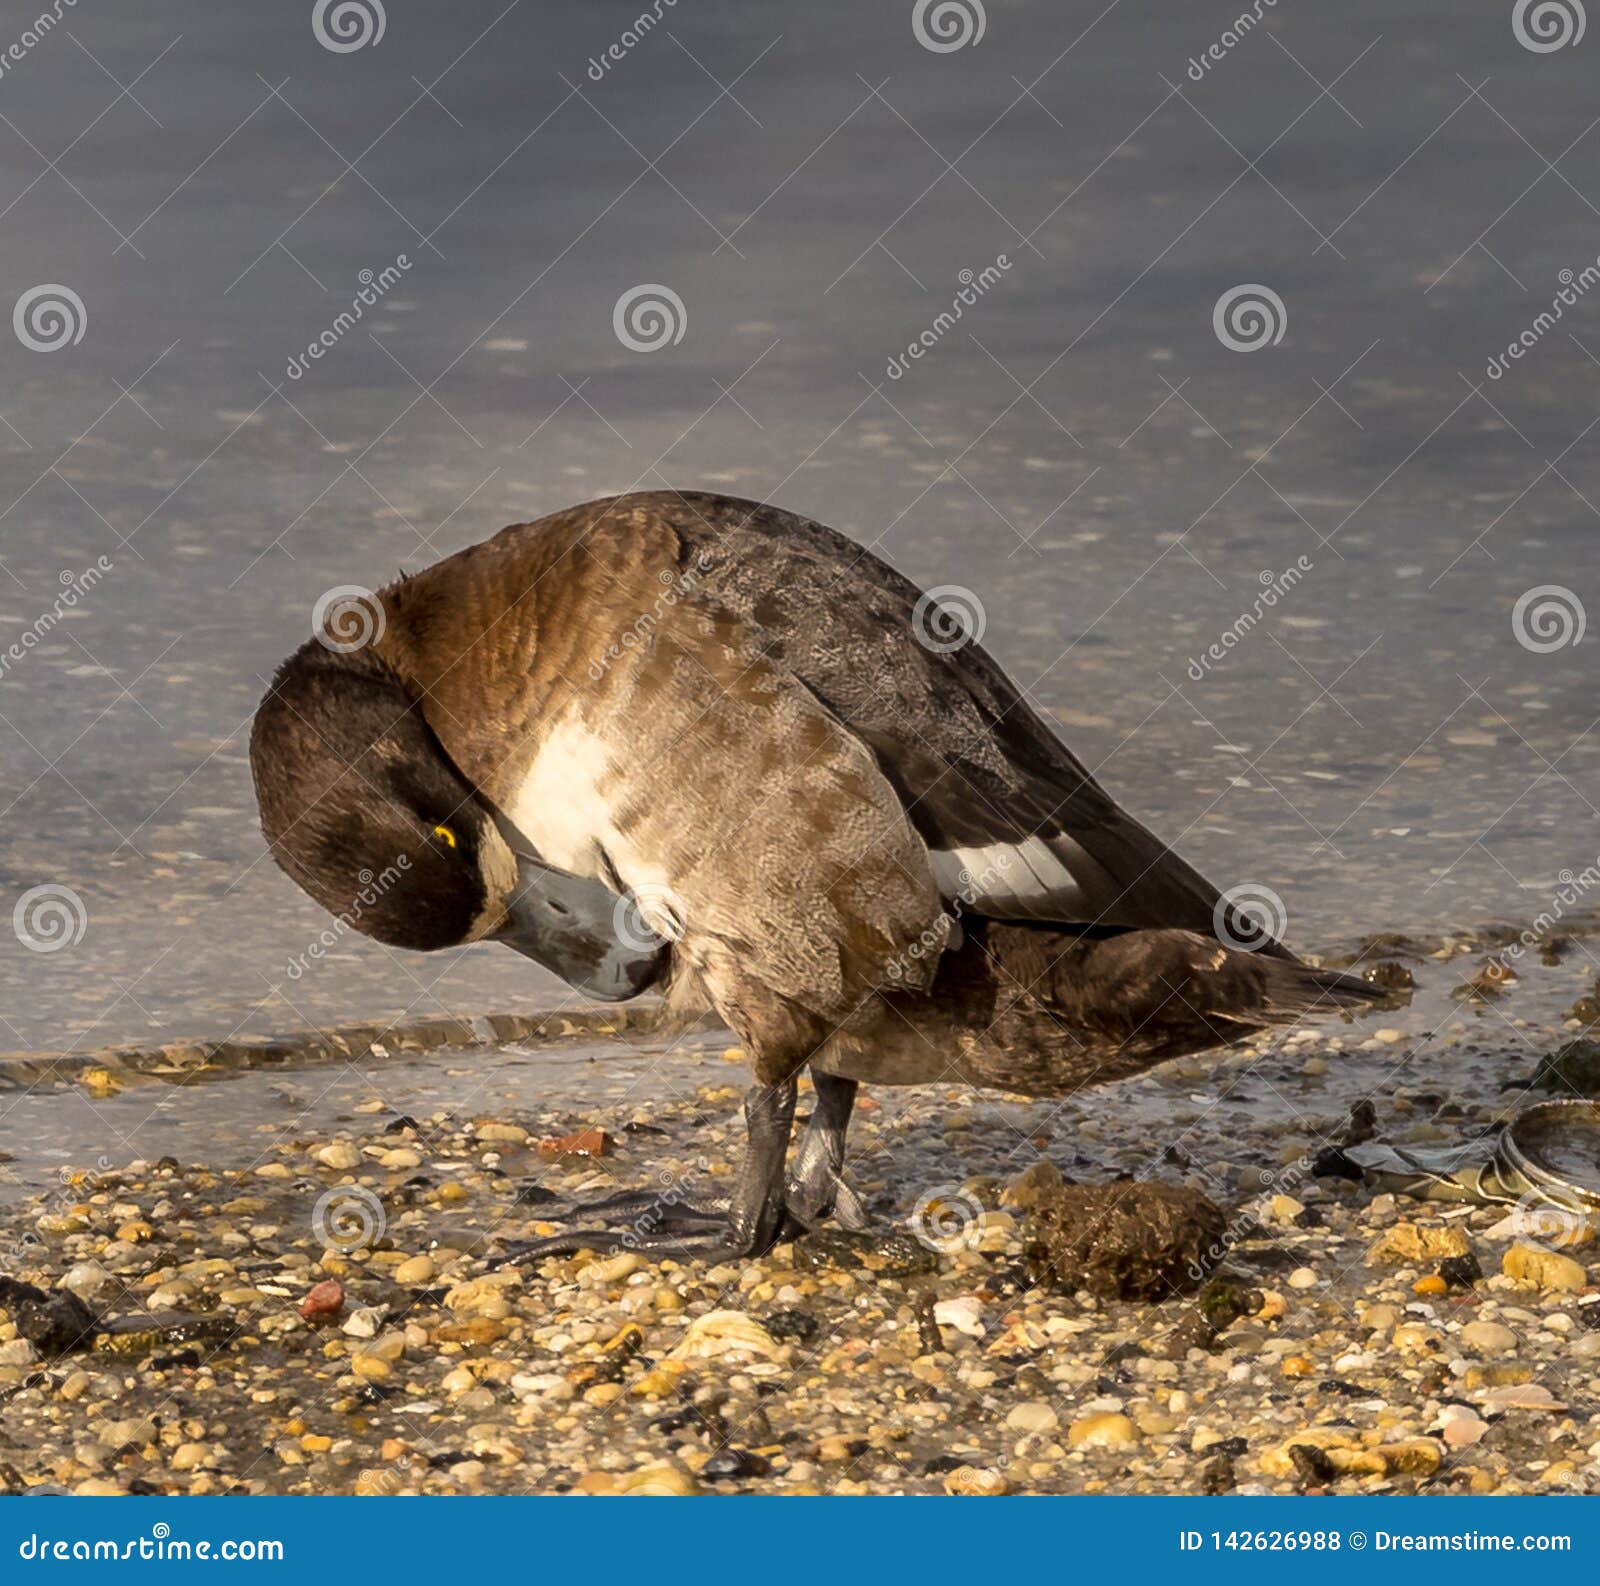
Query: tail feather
{"points": [[1291, 990]]}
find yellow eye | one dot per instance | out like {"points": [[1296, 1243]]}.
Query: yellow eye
{"points": [[445, 835]]}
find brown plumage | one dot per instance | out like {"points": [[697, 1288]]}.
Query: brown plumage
{"points": [[868, 851]]}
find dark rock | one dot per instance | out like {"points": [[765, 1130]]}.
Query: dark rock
{"points": [[799, 1325], [734, 1464], [54, 1323], [1331, 1162], [1389, 976], [1216, 1477], [1461, 1272], [1361, 1126], [1127, 1240], [890, 1255], [1313, 1465], [1571, 1070]]}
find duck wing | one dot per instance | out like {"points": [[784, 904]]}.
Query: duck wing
{"points": [[1015, 824]]}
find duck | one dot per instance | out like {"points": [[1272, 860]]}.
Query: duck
{"points": [[683, 742]]}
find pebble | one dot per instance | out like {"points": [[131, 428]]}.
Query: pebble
{"points": [[964, 1313], [726, 1333], [418, 1270], [1102, 1431], [341, 1155], [322, 1301], [1033, 1416], [1532, 1268], [1487, 1339]]}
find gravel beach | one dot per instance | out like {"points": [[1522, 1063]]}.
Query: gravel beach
{"points": [[305, 1304]]}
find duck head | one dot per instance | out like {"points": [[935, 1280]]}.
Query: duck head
{"points": [[364, 809]]}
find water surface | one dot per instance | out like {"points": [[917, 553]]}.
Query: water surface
{"points": [[1081, 450]]}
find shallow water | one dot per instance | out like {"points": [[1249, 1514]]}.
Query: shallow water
{"points": [[1380, 749], [1232, 1107]]}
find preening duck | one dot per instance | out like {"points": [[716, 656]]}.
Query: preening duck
{"points": [[680, 740]]}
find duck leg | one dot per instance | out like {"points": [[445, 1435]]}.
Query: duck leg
{"points": [[747, 1223], [818, 1189]]}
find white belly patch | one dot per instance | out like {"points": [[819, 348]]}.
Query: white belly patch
{"points": [[558, 806]]}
